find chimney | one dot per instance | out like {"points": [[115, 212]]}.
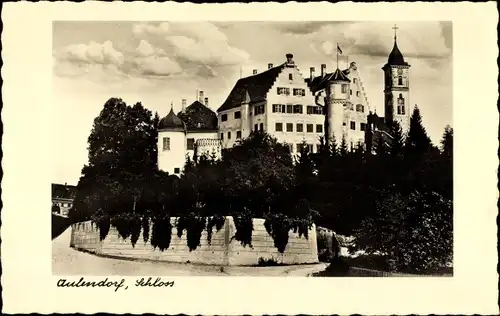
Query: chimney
{"points": [[206, 102], [183, 105], [200, 96], [311, 72], [323, 69], [289, 59], [269, 66], [255, 71]]}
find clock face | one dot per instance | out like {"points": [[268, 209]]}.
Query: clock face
{"points": [[400, 71]]}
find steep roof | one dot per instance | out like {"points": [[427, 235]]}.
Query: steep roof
{"points": [[251, 89], [63, 191], [319, 83], [396, 57], [171, 121], [198, 117]]}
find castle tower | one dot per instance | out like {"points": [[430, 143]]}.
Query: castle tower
{"points": [[397, 88], [337, 95], [171, 144]]}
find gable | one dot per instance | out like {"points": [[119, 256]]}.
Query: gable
{"points": [[198, 117]]}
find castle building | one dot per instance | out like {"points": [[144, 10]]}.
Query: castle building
{"points": [[277, 101], [291, 108], [189, 132], [343, 97]]}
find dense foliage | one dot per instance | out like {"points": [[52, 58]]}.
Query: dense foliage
{"points": [[406, 184]]}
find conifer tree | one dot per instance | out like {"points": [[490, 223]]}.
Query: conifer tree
{"points": [[447, 142], [397, 143], [417, 141]]}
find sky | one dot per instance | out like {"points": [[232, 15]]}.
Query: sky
{"points": [[160, 63]]}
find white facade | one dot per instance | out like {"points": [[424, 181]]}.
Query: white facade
{"points": [[171, 151], [287, 112], [349, 107], [175, 146]]}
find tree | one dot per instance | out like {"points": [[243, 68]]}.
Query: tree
{"points": [[122, 161], [417, 141], [447, 142], [56, 209], [251, 167], [413, 233]]}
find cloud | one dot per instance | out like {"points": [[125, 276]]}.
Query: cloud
{"points": [[101, 62], [302, 28], [196, 45], [156, 66], [143, 29], [415, 39], [92, 53]]}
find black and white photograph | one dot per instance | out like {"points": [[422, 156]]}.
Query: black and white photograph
{"points": [[263, 158], [321, 148]]}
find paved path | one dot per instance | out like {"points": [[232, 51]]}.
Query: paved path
{"points": [[67, 261]]}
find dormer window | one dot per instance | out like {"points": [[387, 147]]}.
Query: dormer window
{"points": [[290, 77]]}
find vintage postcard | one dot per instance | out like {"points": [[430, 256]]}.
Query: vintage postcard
{"points": [[204, 160]]}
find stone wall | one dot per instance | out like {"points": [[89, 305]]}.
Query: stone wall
{"points": [[223, 250]]}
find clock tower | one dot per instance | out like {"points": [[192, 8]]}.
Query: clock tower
{"points": [[397, 88]]}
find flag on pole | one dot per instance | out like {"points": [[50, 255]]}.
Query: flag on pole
{"points": [[339, 50]]}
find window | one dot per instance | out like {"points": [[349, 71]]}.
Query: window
{"points": [[310, 147], [310, 128], [353, 125], [238, 134], [190, 143], [261, 126], [300, 127], [256, 127], [300, 92], [228, 135], [401, 105], [344, 88], [290, 77], [355, 80], [357, 93], [314, 109], [289, 108], [319, 128], [344, 124], [297, 108], [279, 127], [278, 108], [350, 92], [259, 109], [360, 108], [166, 143], [221, 136], [177, 170], [237, 114], [362, 126], [400, 80], [224, 117], [289, 127], [283, 91]]}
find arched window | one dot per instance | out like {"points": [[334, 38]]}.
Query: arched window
{"points": [[401, 105], [400, 80]]}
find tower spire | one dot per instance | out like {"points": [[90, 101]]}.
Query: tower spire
{"points": [[395, 28]]}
